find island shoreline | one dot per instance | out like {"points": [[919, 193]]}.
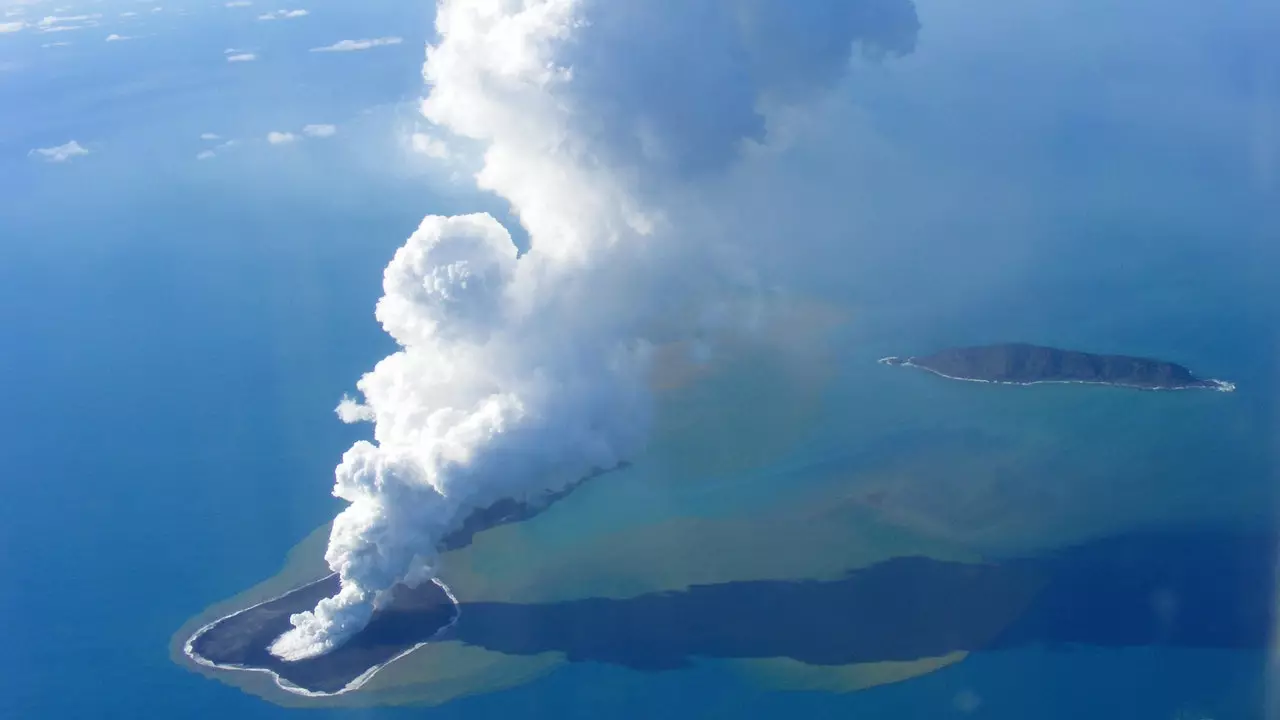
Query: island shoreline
{"points": [[500, 513], [1211, 384], [355, 684]]}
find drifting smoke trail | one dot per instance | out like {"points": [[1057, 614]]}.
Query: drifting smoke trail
{"points": [[520, 374]]}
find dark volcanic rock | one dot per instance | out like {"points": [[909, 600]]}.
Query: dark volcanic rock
{"points": [[508, 510], [413, 616], [1022, 363], [1193, 587]]}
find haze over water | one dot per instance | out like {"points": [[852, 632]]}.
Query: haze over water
{"points": [[175, 334]]}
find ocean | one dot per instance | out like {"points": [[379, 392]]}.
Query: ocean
{"points": [[171, 437], [173, 341], [161, 363]]}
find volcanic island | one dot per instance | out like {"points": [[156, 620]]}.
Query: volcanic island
{"points": [[1026, 364]]}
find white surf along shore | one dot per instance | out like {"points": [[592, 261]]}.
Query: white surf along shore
{"points": [[1216, 385], [283, 684]]}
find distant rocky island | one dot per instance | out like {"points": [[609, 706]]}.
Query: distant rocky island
{"points": [[1025, 364]]}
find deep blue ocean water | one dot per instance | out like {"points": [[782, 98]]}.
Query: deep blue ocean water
{"points": [[171, 438], [173, 338]]}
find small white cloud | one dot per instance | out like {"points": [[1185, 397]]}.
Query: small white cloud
{"points": [[129, 14], [12, 27], [238, 3], [429, 146], [61, 153], [213, 152], [52, 20], [283, 14], [354, 45], [157, 8], [320, 131], [65, 23], [242, 57], [280, 138], [64, 43], [117, 38]]}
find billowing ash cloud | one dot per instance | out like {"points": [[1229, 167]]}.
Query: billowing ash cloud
{"points": [[678, 82], [519, 374]]}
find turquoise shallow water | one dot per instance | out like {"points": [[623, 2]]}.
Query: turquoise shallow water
{"points": [[174, 442], [170, 460], [173, 340], [1128, 683]]}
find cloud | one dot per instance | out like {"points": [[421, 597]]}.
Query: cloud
{"points": [[60, 153], [320, 131], [210, 136], [355, 45], [63, 43], [12, 27], [748, 52], [241, 57], [431, 147], [64, 23], [519, 373], [283, 14], [117, 38], [52, 20], [128, 14], [210, 153], [276, 137], [508, 383], [238, 3], [350, 410]]}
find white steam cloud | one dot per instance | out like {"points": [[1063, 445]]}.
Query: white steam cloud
{"points": [[503, 387], [520, 373], [429, 146]]}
